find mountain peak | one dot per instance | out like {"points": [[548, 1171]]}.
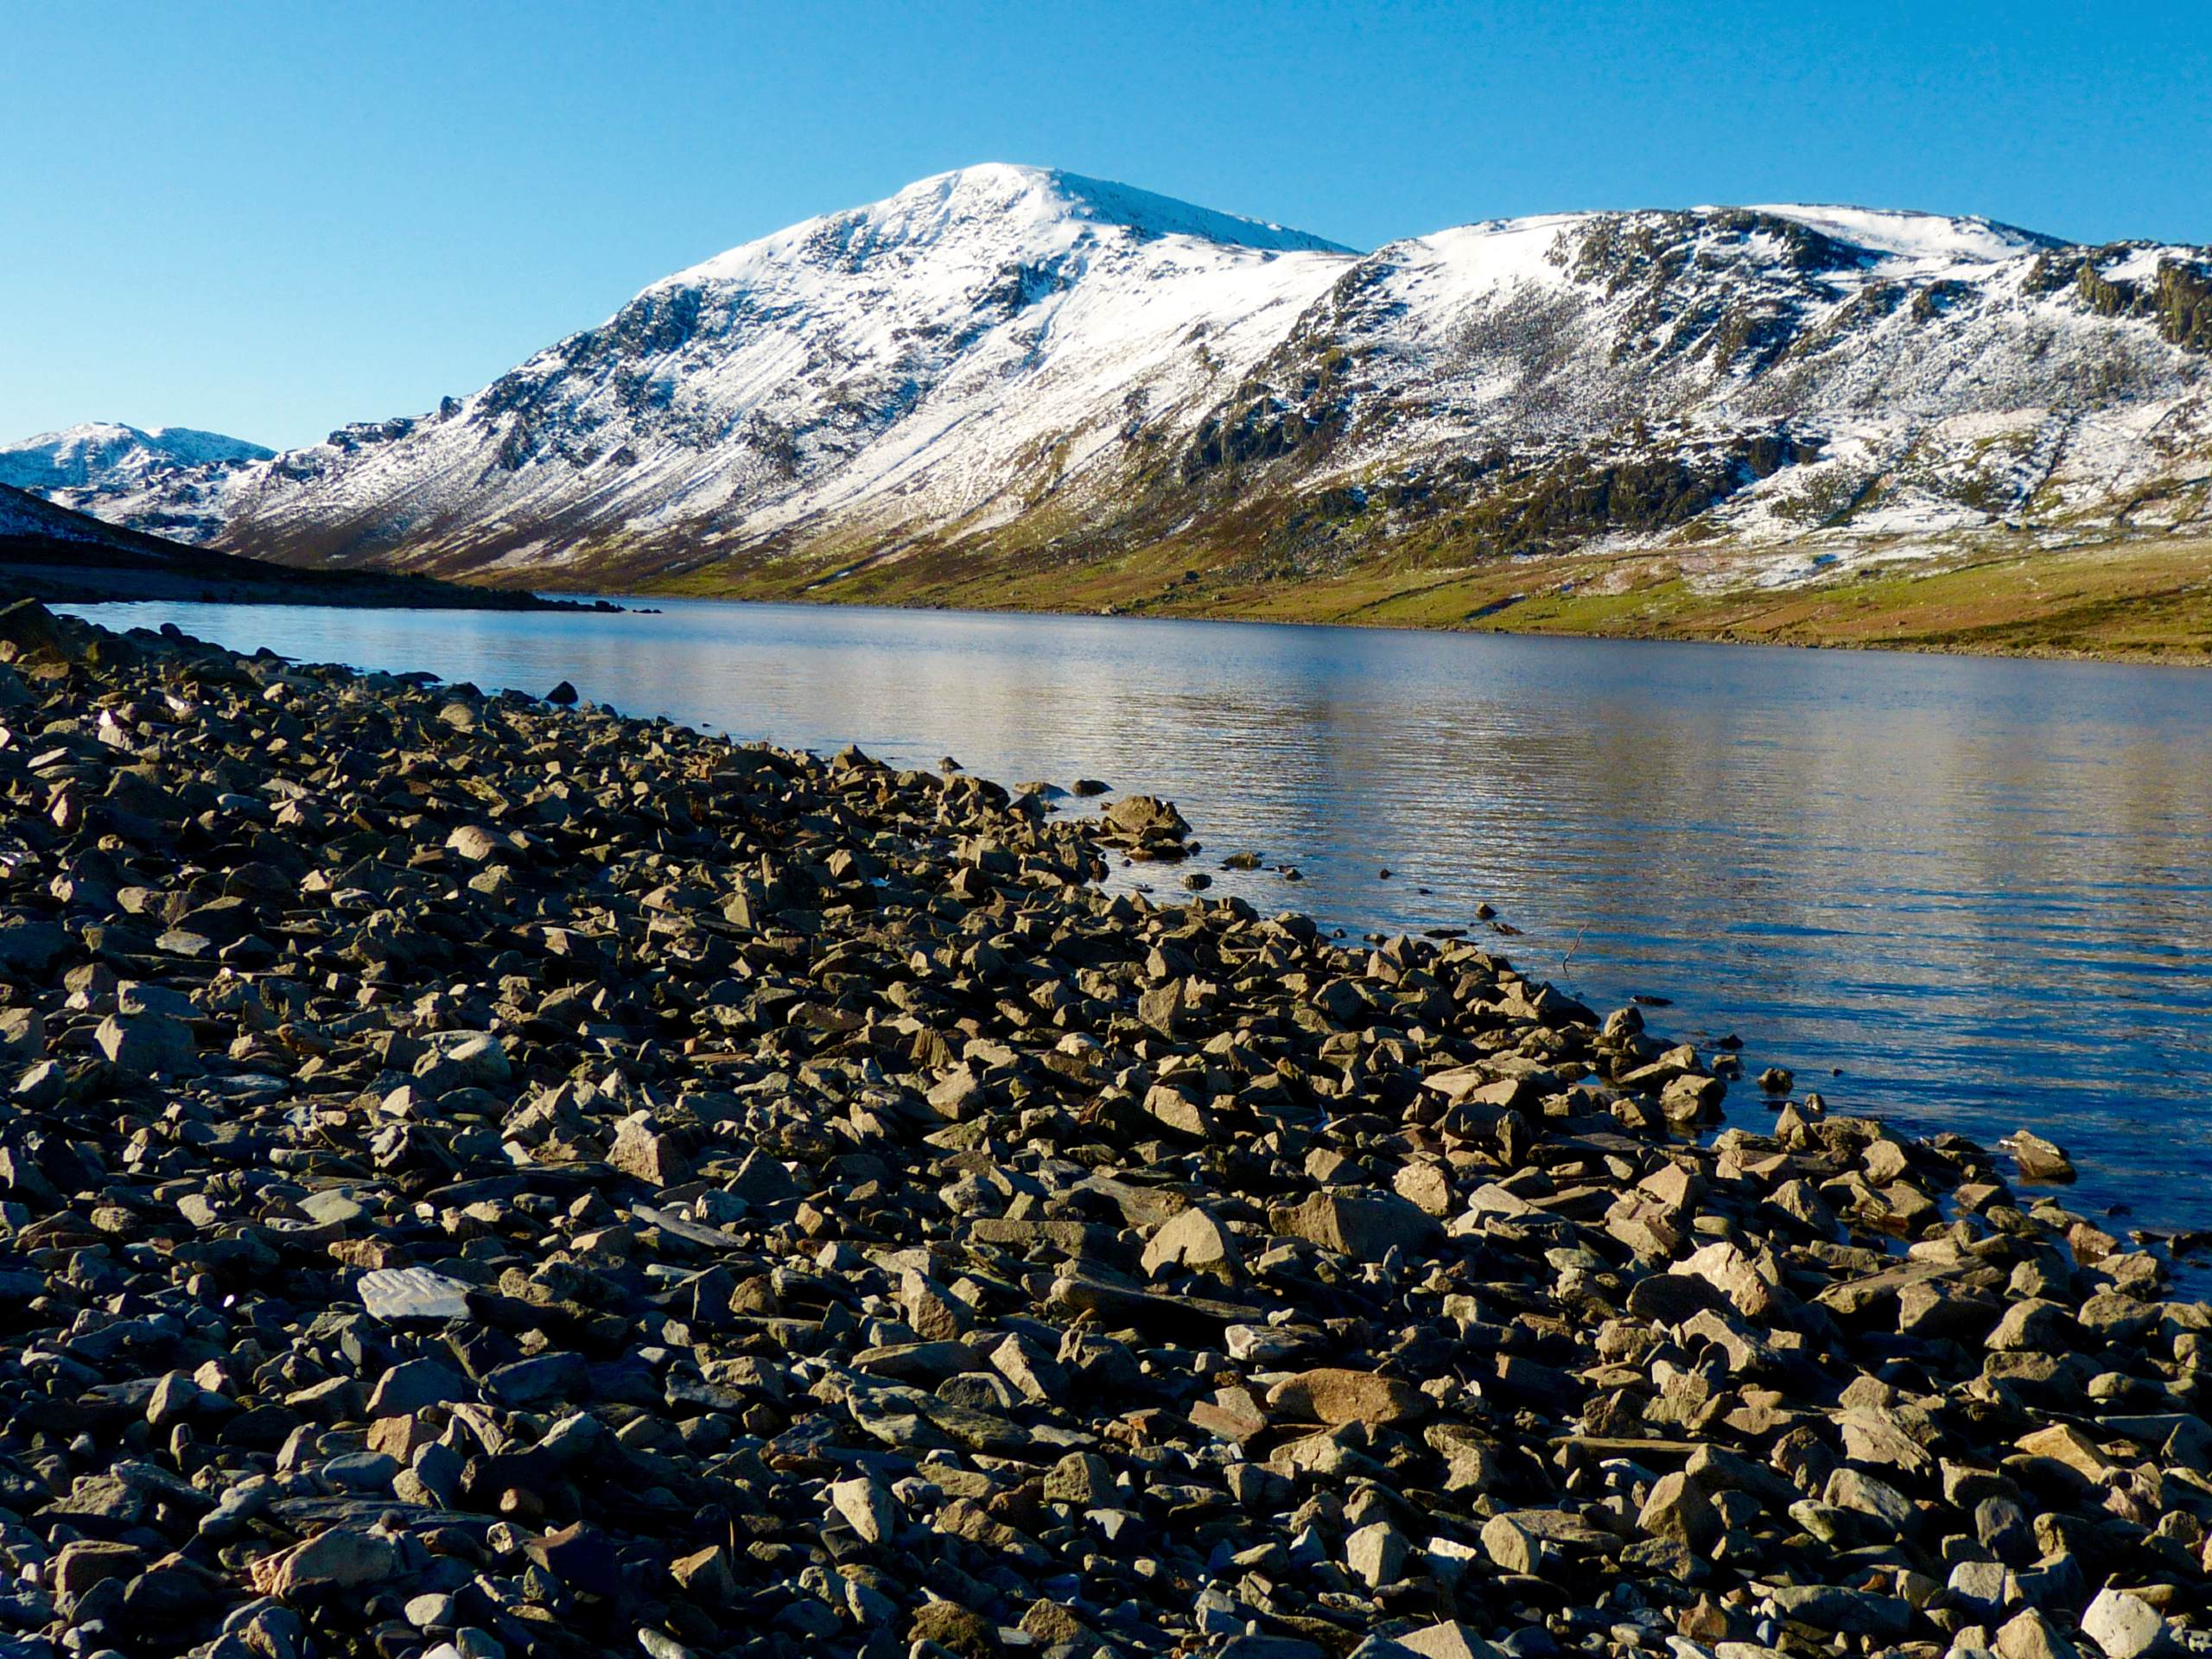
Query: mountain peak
{"points": [[78, 456], [1104, 202], [1041, 209]]}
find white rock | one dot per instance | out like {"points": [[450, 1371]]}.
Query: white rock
{"points": [[2123, 1625], [413, 1294], [868, 1507], [1377, 1554]]}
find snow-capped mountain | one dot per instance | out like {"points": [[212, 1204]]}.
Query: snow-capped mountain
{"points": [[106, 455], [1023, 365], [943, 354], [99, 462]]}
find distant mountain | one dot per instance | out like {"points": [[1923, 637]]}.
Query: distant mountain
{"points": [[101, 462], [1023, 366], [104, 454]]}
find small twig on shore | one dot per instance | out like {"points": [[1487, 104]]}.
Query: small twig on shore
{"points": [[1572, 948]]}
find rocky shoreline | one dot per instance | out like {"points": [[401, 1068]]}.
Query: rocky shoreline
{"points": [[479, 1177]]}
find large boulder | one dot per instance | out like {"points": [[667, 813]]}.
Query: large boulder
{"points": [[1366, 1224]]}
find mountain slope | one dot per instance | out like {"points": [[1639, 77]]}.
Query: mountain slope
{"points": [[1747, 374], [950, 349], [49, 552], [1007, 375]]}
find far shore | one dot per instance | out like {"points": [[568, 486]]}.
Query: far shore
{"points": [[2141, 601]]}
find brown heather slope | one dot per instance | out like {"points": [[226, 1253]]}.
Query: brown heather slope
{"points": [[2147, 600]]}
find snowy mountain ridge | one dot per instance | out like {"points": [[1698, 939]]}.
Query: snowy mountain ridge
{"points": [[1020, 364], [102, 452]]}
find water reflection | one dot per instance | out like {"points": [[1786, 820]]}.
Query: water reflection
{"points": [[1980, 890]]}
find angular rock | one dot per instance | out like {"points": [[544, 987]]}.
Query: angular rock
{"points": [[2040, 1159], [2124, 1626], [1366, 1225], [868, 1507], [1332, 1395], [1196, 1242], [146, 1045], [640, 1149], [344, 1557], [407, 1389]]}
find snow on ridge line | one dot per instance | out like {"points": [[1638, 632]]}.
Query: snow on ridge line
{"points": [[177, 441], [1915, 235], [1510, 249], [1147, 210], [1041, 207], [1896, 231], [94, 452]]}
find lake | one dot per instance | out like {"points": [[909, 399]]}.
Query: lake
{"points": [[1954, 893]]}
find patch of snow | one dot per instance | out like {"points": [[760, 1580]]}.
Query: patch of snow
{"points": [[1935, 238], [2139, 264]]}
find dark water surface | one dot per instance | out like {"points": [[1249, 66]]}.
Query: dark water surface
{"points": [[1982, 889]]}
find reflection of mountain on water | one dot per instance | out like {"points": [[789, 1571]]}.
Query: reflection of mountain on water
{"points": [[1978, 887]]}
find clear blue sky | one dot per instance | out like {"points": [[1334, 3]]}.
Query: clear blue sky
{"points": [[267, 219]]}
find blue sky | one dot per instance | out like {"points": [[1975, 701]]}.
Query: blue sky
{"points": [[270, 220]]}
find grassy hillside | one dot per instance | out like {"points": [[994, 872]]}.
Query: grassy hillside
{"points": [[2142, 598]]}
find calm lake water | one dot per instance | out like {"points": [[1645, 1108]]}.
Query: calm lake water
{"points": [[1979, 891]]}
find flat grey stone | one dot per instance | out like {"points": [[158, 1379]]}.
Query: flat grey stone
{"points": [[397, 1293]]}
